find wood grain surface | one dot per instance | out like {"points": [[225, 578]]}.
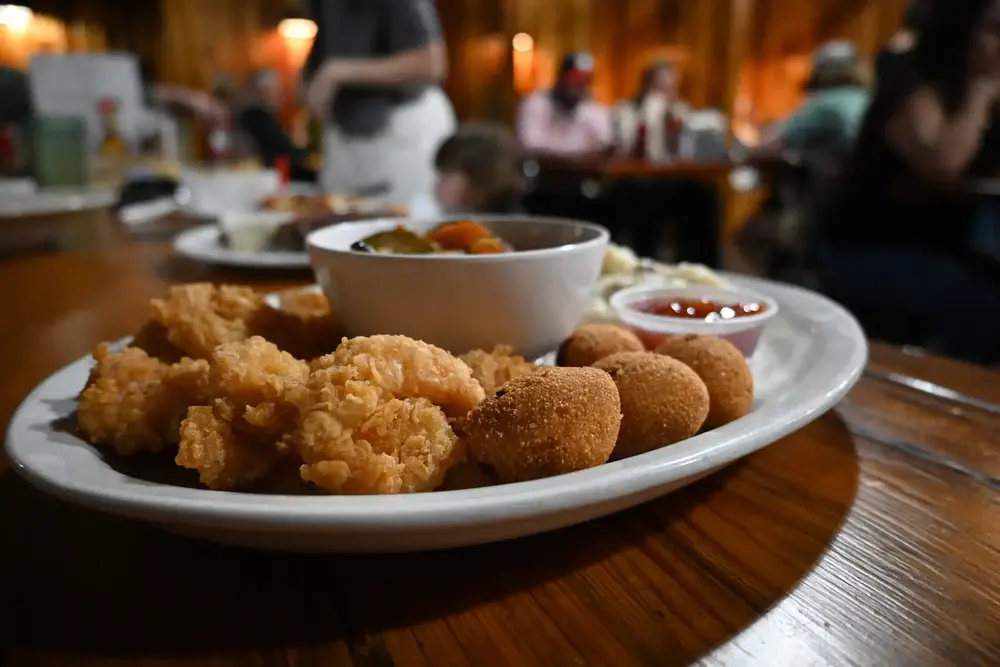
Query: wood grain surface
{"points": [[866, 538]]}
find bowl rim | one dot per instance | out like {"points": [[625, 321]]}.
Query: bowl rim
{"points": [[622, 300], [601, 238]]}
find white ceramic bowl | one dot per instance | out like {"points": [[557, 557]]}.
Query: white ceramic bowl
{"points": [[532, 298], [743, 332], [212, 192]]}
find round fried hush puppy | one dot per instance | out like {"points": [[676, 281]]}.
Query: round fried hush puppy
{"points": [[547, 423], [663, 401], [722, 368], [592, 342]]}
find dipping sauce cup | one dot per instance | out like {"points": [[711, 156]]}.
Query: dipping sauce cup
{"points": [[657, 312]]}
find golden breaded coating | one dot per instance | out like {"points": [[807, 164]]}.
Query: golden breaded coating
{"points": [[663, 401], [152, 339], [303, 324], [403, 446], [722, 368], [593, 342], [496, 368], [554, 421], [268, 384], [134, 403], [199, 317], [225, 460], [304, 304], [408, 368]]}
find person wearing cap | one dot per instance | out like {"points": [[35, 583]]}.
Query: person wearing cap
{"points": [[373, 76], [565, 122], [830, 116]]}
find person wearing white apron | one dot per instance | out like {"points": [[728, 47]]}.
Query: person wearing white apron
{"points": [[373, 76]]}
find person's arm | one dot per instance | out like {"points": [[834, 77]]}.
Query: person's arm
{"points": [[418, 55], [419, 66], [195, 101], [937, 143]]}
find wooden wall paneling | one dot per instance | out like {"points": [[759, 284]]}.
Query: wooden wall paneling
{"points": [[609, 42], [478, 53]]}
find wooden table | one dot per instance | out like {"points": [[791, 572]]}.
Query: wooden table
{"points": [[868, 538]]}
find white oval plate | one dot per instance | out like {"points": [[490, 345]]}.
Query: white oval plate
{"points": [[810, 356], [202, 244]]}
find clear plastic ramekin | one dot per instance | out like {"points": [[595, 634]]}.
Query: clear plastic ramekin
{"points": [[744, 332]]}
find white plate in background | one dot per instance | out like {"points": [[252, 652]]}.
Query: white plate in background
{"points": [[204, 244]]}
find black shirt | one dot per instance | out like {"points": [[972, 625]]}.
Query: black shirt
{"points": [[874, 204], [370, 28]]}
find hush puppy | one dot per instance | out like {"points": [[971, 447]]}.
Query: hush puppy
{"points": [[722, 368], [551, 422], [663, 401], [593, 342]]}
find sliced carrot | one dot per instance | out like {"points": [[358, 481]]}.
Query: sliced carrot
{"points": [[461, 235], [487, 246]]}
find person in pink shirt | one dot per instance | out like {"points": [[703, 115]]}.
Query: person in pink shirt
{"points": [[565, 122]]}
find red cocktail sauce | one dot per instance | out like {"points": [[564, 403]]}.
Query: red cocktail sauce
{"points": [[694, 309], [700, 309]]}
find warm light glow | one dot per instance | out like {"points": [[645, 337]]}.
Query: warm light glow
{"points": [[15, 17], [522, 42], [302, 29]]}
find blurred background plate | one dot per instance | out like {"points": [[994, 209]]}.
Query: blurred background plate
{"points": [[204, 244]]}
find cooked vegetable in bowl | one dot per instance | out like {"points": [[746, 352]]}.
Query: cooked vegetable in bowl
{"points": [[462, 237]]}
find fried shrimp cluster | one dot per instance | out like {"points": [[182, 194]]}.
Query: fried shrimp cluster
{"points": [[134, 403], [374, 415], [250, 396], [497, 368]]}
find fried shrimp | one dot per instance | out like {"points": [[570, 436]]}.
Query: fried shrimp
{"points": [[225, 459], [201, 316], [302, 325], [555, 421], [408, 368], [402, 446], [496, 368], [135, 403], [267, 384]]}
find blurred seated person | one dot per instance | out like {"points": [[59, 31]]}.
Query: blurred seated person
{"points": [[261, 128], [565, 122], [643, 205], [884, 245], [478, 172], [813, 143], [825, 124], [640, 123]]}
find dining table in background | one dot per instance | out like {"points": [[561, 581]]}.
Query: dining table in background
{"points": [[867, 538]]}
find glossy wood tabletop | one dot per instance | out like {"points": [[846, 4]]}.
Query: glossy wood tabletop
{"points": [[867, 538]]}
